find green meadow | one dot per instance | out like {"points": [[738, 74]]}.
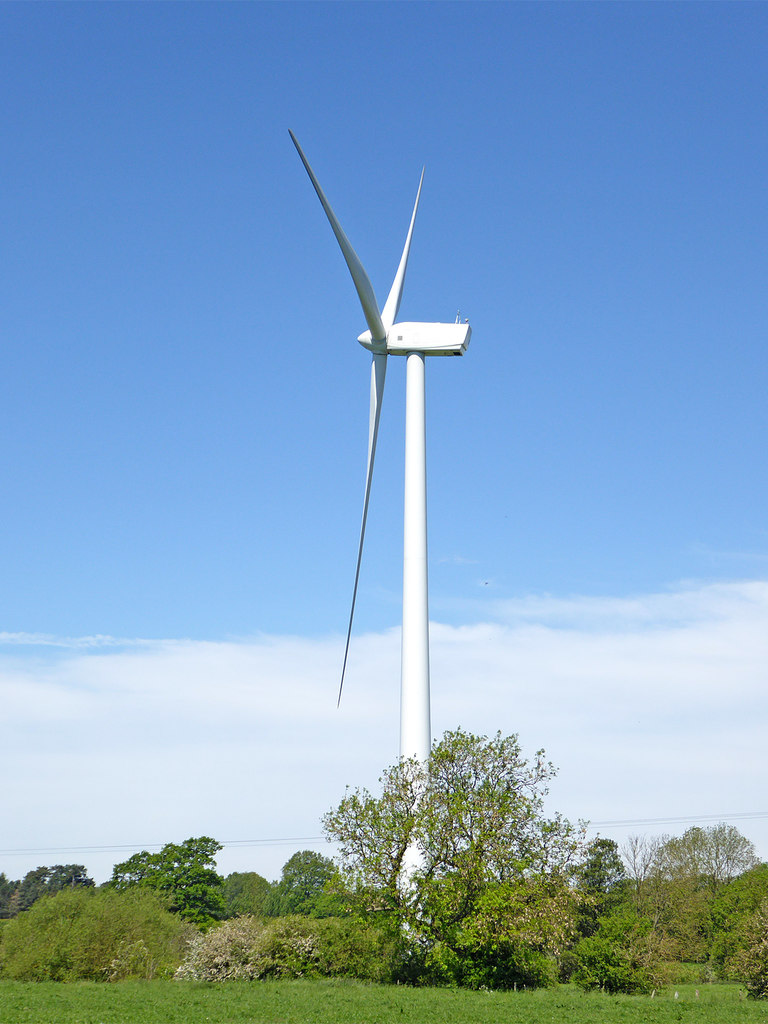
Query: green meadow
{"points": [[343, 1002]]}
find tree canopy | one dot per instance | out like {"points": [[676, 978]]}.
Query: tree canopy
{"points": [[304, 886], [247, 892], [489, 901], [185, 873], [16, 896]]}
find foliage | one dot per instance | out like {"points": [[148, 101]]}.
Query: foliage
{"points": [[510, 940], [504, 965], [289, 947], [305, 887], [713, 855], [184, 873], [602, 871], [490, 879], [751, 962], [678, 882], [42, 881], [83, 933], [732, 910], [246, 892], [624, 955], [8, 897], [601, 879]]}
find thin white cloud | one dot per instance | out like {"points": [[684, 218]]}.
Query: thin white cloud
{"points": [[651, 706], [40, 640]]}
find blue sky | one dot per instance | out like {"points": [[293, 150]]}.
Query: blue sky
{"points": [[183, 408]]}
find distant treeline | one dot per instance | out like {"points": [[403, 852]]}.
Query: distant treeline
{"points": [[452, 875], [185, 874]]}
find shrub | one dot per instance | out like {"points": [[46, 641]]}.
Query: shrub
{"points": [[348, 948], [96, 935], [601, 963], [245, 948], [623, 956], [503, 965], [751, 963]]}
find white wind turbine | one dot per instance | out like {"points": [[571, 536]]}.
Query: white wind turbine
{"points": [[414, 341]]}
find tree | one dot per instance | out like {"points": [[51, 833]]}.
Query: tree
{"points": [[45, 881], [712, 856], [184, 873], [68, 876], [641, 854], [246, 892], [8, 897], [492, 887], [677, 883], [602, 871], [602, 879], [303, 887]]}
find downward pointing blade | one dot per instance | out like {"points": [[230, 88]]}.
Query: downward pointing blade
{"points": [[378, 372], [392, 305], [357, 270]]}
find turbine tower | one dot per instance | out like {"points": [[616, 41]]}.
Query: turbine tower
{"points": [[414, 341]]}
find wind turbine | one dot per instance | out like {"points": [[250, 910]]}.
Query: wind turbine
{"points": [[414, 341]]}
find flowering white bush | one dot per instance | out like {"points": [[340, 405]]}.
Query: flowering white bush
{"points": [[246, 949]]}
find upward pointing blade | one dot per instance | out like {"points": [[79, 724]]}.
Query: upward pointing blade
{"points": [[392, 305], [357, 270], [378, 372]]}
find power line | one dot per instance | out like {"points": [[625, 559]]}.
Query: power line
{"points": [[290, 840], [118, 848], [692, 819]]}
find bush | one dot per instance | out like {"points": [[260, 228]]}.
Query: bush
{"points": [[600, 963], [245, 948], [503, 965], [751, 963], [623, 956], [94, 935], [348, 948], [733, 913]]}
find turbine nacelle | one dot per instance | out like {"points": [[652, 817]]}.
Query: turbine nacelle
{"points": [[431, 339]]}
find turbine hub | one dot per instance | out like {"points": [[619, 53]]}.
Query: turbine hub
{"points": [[366, 340]]}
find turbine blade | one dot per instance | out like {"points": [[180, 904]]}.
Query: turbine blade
{"points": [[378, 372], [357, 270], [392, 305]]}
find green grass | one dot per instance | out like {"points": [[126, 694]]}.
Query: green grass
{"points": [[325, 1002]]}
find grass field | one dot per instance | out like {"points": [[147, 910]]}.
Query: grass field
{"points": [[321, 1002]]}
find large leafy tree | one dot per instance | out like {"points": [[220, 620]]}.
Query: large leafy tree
{"points": [[304, 886], [708, 856], [184, 873], [681, 885], [247, 892], [491, 888]]}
